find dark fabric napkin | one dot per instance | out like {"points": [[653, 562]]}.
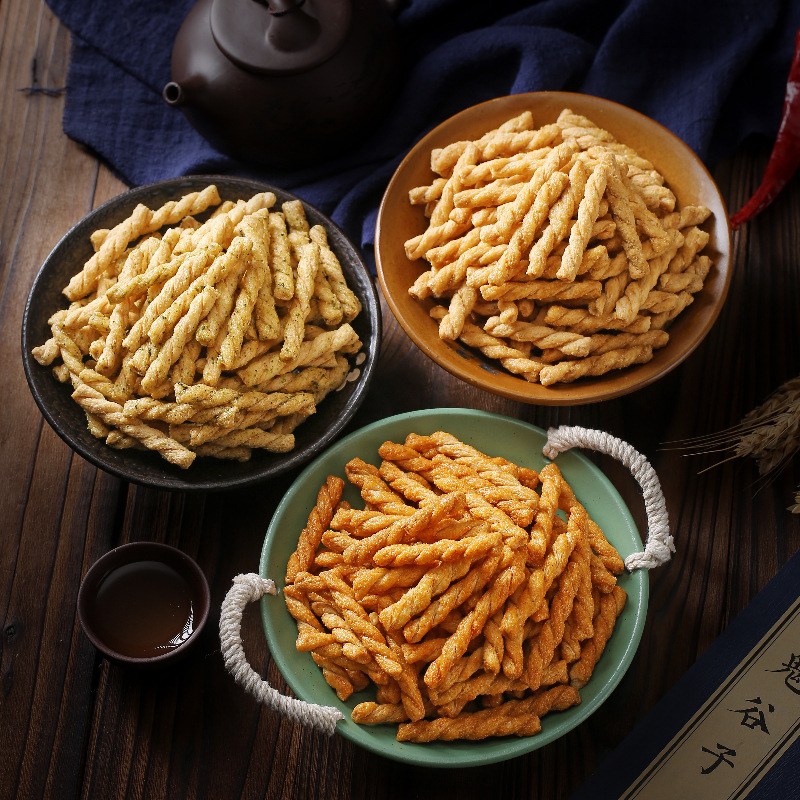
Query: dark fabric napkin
{"points": [[712, 72]]}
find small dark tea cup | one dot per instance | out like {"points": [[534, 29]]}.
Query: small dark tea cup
{"points": [[144, 604]]}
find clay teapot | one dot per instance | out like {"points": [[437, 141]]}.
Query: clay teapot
{"points": [[284, 82]]}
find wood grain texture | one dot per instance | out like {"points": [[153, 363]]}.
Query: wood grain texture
{"points": [[72, 725]]}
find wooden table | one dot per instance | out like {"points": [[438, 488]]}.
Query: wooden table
{"points": [[71, 725]]}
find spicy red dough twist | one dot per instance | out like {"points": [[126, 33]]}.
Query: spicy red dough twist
{"points": [[318, 521]]}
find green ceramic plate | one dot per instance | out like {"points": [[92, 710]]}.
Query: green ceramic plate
{"points": [[496, 436]]}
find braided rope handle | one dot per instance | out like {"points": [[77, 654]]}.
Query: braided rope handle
{"points": [[659, 545], [248, 589]]}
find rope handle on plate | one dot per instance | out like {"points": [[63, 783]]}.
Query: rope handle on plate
{"points": [[659, 545], [248, 589]]}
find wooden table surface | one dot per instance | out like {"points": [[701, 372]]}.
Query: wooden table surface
{"points": [[72, 725]]}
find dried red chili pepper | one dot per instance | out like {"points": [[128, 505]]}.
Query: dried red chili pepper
{"points": [[785, 156]]}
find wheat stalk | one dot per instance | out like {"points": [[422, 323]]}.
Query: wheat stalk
{"points": [[769, 433]]}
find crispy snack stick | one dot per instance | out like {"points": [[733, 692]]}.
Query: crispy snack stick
{"points": [[411, 485], [330, 266], [280, 258], [112, 414], [443, 159], [311, 634], [560, 217], [579, 320], [549, 290], [434, 581], [542, 336], [600, 544], [422, 195], [551, 634], [382, 580], [514, 623], [374, 490], [520, 166], [141, 221], [433, 237], [628, 306], [568, 371], [250, 290], [610, 607], [163, 265], [159, 368], [511, 358], [496, 193], [509, 264], [363, 522], [461, 304], [335, 676], [467, 548], [474, 725], [191, 269], [408, 457], [505, 499], [444, 205], [300, 305], [175, 413], [330, 616], [343, 339], [579, 624], [581, 232], [448, 480], [449, 505], [541, 532], [269, 440], [454, 596], [319, 519], [622, 212], [109, 361], [220, 228], [514, 717], [360, 624], [501, 473], [266, 318], [369, 713], [501, 587]]}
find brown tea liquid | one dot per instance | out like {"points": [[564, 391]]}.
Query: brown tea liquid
{"points": [[143, 609]]}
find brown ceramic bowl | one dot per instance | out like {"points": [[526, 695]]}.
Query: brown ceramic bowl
{"points": [[683, 171], [144, 604]]}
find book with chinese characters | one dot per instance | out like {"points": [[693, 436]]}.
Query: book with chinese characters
{"points": [[730, 727]]}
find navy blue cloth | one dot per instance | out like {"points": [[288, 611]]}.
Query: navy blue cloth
{"points": [[712, 71]]}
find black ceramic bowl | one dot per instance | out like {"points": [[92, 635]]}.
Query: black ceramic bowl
{"points": [[138, 597], [148, 468]]}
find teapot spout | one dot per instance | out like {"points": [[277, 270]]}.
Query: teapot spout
{"points": [[173, 94]]}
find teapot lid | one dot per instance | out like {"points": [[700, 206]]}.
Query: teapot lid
{"points": [[279, 36]]}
